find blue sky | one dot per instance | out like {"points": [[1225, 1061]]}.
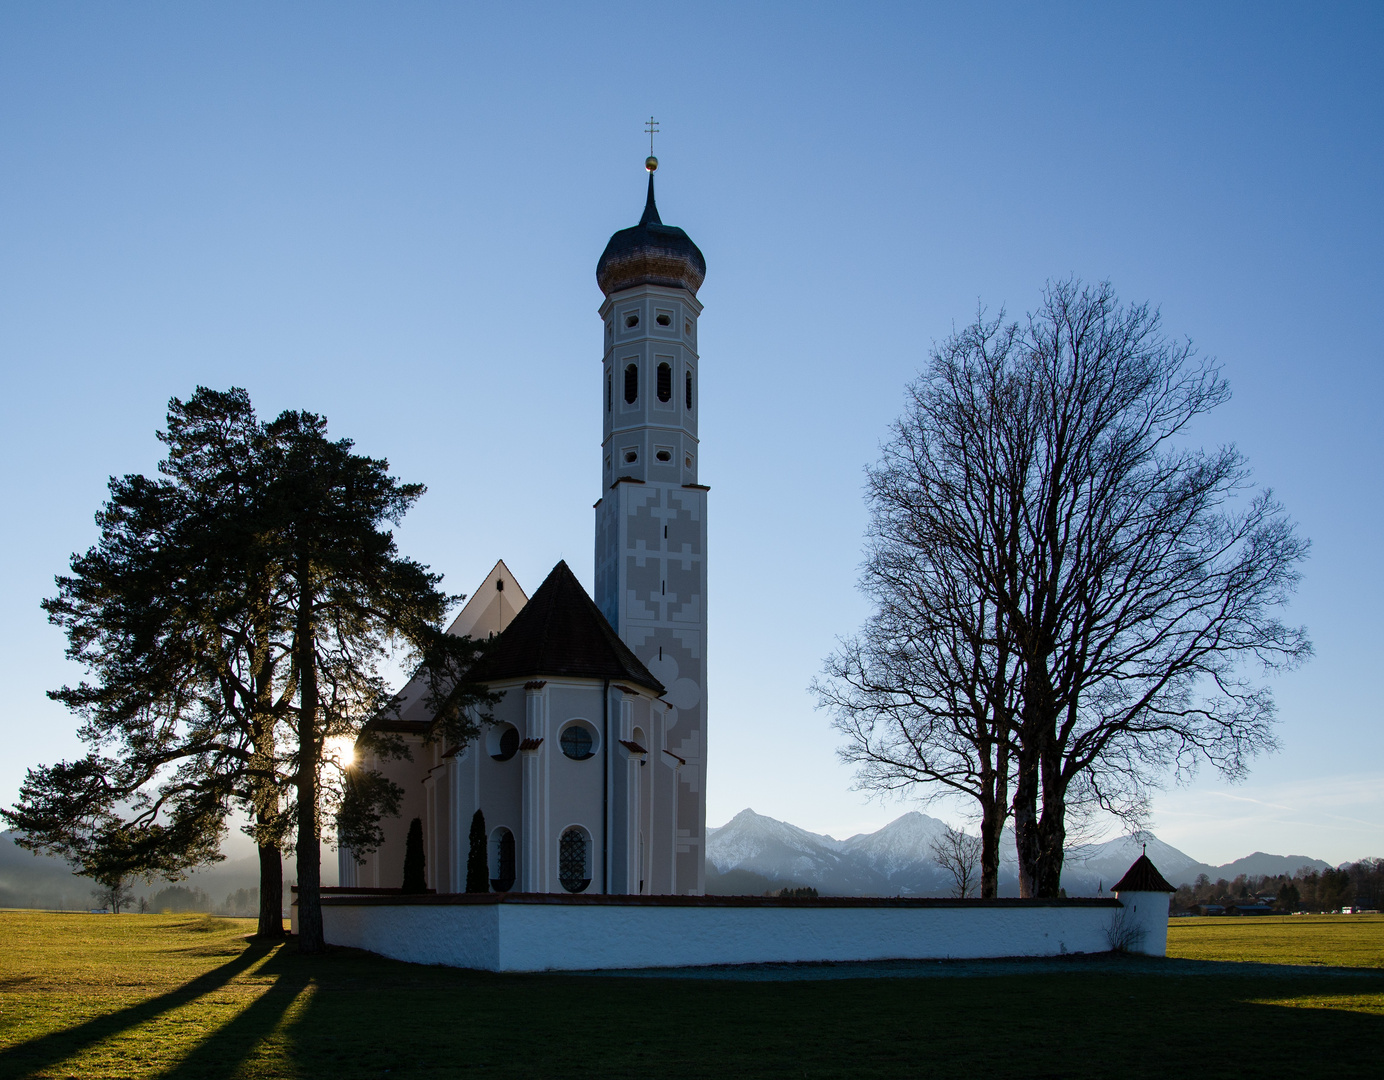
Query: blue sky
{"points": [[391, 214]]}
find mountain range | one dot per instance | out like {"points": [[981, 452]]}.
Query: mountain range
{"points": [[749, 855], [752, 853]]}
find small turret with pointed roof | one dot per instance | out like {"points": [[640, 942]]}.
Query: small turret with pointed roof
{"points": [[1143, 876]]}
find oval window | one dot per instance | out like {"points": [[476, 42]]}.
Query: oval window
{"points": [[631, 321], [576, 742], [664, 455], [632, 383], [631, 456], [664, 320]]}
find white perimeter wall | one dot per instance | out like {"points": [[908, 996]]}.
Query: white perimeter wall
{"points": [[542, 937]]}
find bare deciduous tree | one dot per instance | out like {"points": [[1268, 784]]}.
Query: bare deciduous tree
{"points": [[1066, 601], [114, 893], [958, 853], [926, 693], [1148, 576]]}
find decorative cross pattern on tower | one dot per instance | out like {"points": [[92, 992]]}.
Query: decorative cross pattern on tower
{"points": [[652, 128]]}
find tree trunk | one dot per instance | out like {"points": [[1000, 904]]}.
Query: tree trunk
{"points": [[271, 905], [1052, 836], [1026, 823], [310, 936], [991, 833], [1052, 826]]}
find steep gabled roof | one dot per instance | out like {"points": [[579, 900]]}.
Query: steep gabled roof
{"points": [[1143, 876], [560, 631]]}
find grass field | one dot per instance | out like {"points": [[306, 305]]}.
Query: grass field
{"points": [[189, 996], [1315, 940]]}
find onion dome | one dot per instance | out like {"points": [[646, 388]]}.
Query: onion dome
{"points": [[651, 253]]}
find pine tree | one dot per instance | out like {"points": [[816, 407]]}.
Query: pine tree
{"points": [[415, 866], [234, 615], [172, 614], [477, 864]]}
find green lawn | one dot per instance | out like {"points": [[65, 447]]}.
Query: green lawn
{"points": [[1327, 940], [146, 996]]}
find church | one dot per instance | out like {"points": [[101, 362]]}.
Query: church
{"points": [[592, 776]]}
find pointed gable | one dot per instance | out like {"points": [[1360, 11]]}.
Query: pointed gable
{"points": [[1143, 876], [560, 631]]}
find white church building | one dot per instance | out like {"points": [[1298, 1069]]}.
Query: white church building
{"points": [[592, 778]]}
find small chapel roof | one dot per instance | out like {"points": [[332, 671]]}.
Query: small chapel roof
{"points": [[561, 631], [651, 253], [1143, 876]]}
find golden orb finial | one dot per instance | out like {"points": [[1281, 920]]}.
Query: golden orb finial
{"points": [[651, 163]]}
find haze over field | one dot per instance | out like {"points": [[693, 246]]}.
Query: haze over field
{"points": [[749, 854]]}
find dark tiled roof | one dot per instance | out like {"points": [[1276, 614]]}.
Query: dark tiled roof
{"points": [[530, 744], [560, 631], [651, 253], [1143, 876], [632, 747]]}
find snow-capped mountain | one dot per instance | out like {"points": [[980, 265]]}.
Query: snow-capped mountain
{"points": [[897, 861]]}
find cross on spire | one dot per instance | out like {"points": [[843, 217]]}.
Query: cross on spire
{"points": [[652, 128]]}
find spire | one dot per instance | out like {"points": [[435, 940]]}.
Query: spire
{"points": [[650, 207]]}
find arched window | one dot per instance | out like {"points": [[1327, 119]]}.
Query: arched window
{"points": [[502, 860], [631, 383], [688, 386], [607, 391], [576, 741], [574, 860], [665, 382]]}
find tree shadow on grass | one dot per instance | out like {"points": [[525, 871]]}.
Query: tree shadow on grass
{"points": [[1105, 1022], [221, 1054], [48, 1050]]}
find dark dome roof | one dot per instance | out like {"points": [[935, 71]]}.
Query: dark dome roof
{"points": [[560, 632], [651, 253]]}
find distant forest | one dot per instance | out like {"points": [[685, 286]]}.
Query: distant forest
{"points": [[1356, 885]]}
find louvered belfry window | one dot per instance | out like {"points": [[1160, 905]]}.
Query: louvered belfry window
{"points": [[689, 389], [665, 382], [631, 383], [571, 861]]}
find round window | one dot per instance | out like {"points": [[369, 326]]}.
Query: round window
{"points": [[502, 742], [577, 741]]}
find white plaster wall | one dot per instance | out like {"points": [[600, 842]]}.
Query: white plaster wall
{"points": [[1146, 919], [454, 935], [540, 937]]}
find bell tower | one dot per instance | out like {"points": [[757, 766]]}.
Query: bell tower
{"points": [[651, 517]]}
